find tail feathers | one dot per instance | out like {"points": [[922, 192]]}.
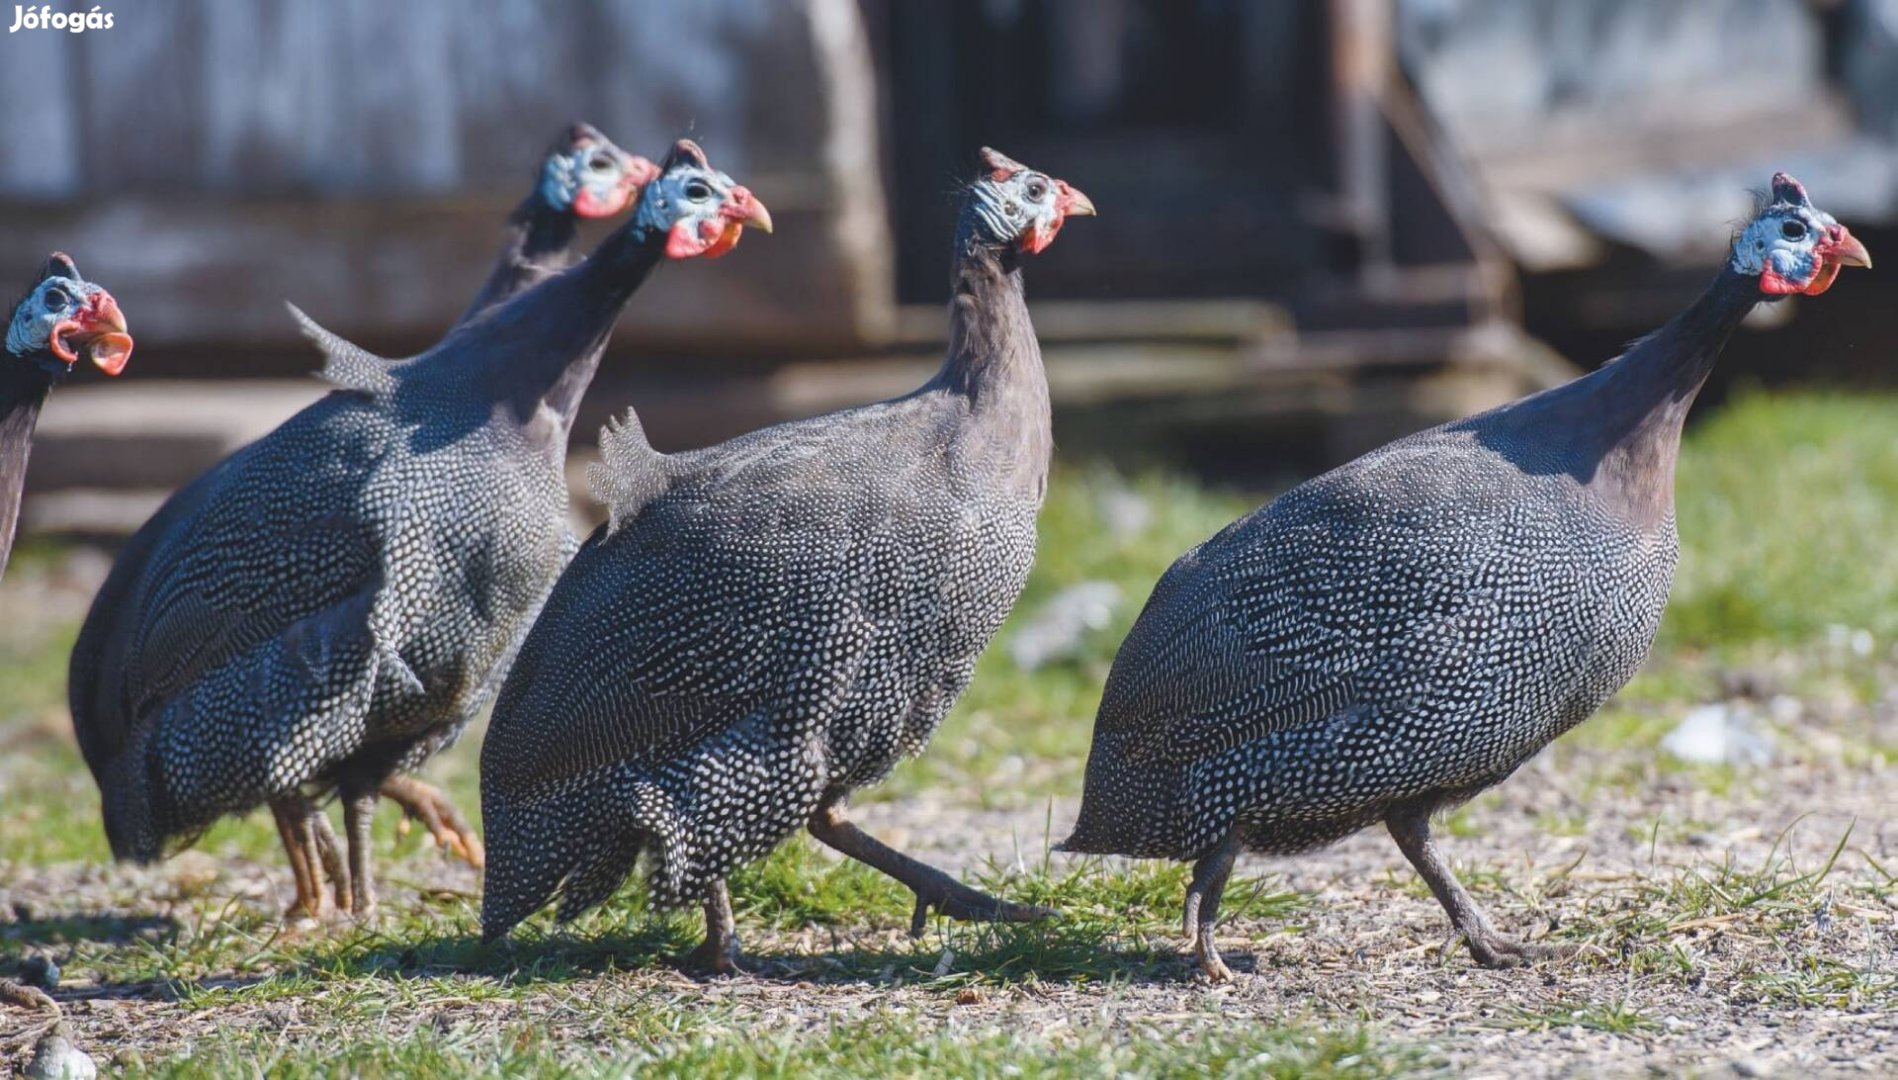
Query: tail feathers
{"points": [[346, 364], [579, 844], [629, 473], [131, 799]]}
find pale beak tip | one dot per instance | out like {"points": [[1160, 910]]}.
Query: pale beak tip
{"points": [[1080, 205], [1853, 253]]}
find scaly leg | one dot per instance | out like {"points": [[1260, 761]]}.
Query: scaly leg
{"points": [[330, 852], [1202, 907], [426, 804], [296, 829], [359, 813], [932, 887], [718, 953], [1410, 827]]}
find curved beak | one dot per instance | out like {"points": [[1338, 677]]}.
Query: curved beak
{"points": [[1850, 251], [741, 208], [99, 326], [1077, 203], [746, 209]]}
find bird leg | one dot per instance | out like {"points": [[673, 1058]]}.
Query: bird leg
{"points": [[426, 804], [298, 831], [1410, 827], [932, 887], [1202, 907], [359, 813], [718, 953], [330, 852]]}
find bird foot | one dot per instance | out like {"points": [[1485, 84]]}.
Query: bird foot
{"points": [[716, 958], [1200, 942], [1501, 951], [426, 803], [958, 901]]}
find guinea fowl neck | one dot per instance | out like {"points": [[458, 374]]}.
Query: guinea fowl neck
{"points": [[23, 388], [539, 350], [1655, 382], [993, 357], [537, 235], [1618, 429]]}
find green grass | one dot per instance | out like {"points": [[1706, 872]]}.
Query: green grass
{"points": [[1787, 507], [887, 1044]]}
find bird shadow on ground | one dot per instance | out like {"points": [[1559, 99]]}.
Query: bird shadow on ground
{"points": [[990, 954], [42, 931]]}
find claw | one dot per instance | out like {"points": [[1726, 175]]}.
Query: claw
{"points": [[443, 823]]}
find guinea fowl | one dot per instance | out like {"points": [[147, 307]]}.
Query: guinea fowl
{"points": [[583, 176], [1398, 634], [329, 606], [61, 316], [765, 625]]}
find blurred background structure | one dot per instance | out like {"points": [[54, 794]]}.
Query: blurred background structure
{"points": [[1323, 222]]}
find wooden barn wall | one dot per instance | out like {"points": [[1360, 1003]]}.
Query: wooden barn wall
{"points": [[207, 159]]}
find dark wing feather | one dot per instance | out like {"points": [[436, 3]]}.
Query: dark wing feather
{"points": [[229, 563], [722, 599], [1292, 616]]}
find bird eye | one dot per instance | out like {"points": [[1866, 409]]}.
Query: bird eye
{"points": [[698, 191], [600, 163], [1793, 229], [1036, 189], [55, 298]]}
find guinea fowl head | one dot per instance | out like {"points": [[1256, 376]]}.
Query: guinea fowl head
{"points": [[1793, 246], [63, 315], [587, 176], [701, 210], [1012, 205]]}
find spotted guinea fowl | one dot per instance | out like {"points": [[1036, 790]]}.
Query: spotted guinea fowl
{"points": [[767, 624], [326, 608], [583, 176], [1400, 633], [60, 317]]}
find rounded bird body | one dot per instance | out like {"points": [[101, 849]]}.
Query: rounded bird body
{"points": [[364, 542], [790, 616], [1398, 634], [1413, 625]]}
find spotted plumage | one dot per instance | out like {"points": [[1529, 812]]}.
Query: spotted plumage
{"points": [[330, 605], [1404, 631], [766, 625]]}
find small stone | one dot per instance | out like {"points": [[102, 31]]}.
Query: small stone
{"points": [[968, 995], [1716, 735], [41, 971], [56, 1058], [1749, 1068]]}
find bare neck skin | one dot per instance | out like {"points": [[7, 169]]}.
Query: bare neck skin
{"points": [[994, 360], [1618, 429], [24, 385], [536, 353], [539, 240]]}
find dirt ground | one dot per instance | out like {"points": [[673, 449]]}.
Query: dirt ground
{"points": [[1748, 994]]}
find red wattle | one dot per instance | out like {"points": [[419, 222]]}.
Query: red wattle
{"points": [[587, 205], [1773, 284], [683, 242]]}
